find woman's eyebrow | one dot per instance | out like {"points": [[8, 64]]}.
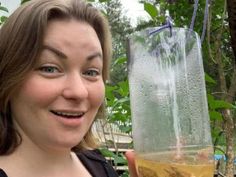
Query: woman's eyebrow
{"points": [[55, 51], [95, 55]]}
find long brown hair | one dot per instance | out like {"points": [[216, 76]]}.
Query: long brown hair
{"points": [[21, 40]]}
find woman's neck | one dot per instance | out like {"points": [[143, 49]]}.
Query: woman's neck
{"points": [[32, 160]]}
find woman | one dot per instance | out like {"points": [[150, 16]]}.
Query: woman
{"points": [[54, 57]]}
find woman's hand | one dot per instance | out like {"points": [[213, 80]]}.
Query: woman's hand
{"points": [[131, 163]]}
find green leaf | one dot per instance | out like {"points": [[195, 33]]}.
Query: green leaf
{"points": [[215, 115], [120, 160], [3, 9], [220, 104], [209, 79], [151, 10], [107, 153], [210, 98], [125, 129], [24, 1], [120, 60], [125, 174], [103, 0], [123, 88], [109, 91], [3, 19], [123, 100], [233, 106], [117, 159]]}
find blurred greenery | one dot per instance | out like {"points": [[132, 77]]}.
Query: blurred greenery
{"points": [[215, 45]]}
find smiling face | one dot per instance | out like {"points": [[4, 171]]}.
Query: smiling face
{"points": [[58, 101]]}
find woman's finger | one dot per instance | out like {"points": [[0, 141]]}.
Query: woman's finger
{"points": [[131, 163]]}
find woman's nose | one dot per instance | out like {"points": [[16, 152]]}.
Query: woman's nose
{"points": [[75, 87]]}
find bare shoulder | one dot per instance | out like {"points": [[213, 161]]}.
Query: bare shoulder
{"points": [[4, 160], [3, 166], [7, 166]]}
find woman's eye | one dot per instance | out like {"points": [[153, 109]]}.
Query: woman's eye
{"points": [[49, 69], [92, 73]]}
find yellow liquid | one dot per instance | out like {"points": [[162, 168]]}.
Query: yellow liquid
{"points": [[152, 168]]}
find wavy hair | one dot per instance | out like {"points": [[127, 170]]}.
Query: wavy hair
{"points": [[21, 42]]}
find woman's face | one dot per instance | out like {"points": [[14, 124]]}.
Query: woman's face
{"points": [[58, 101]]}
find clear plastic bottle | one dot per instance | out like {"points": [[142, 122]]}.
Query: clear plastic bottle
{"points": [[168, 103]]}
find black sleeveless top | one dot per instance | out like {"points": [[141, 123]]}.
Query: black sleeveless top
{"points": [[94, 162]]}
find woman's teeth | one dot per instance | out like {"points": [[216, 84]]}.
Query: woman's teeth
{"points": [[68, 114]]}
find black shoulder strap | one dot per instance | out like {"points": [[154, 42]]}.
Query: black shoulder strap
{"points": [[96, 164], [2, 173]]}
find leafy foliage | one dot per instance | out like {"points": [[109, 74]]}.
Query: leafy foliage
{"points": [[214, 46], [118, 105], [118, 159], [3, 18], [23, 1], [3, 8], [150, 9]]}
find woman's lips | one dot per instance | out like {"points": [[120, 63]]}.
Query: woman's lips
{"points": [[68, 114]]}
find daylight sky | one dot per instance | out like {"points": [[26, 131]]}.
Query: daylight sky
{"points": [[132, 8], [10, 4]]}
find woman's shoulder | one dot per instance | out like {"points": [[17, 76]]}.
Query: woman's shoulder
{"points": [[94, 154], [3, 165], [96, 164]]}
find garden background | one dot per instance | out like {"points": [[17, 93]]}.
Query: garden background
{"points": [[216, 25]]}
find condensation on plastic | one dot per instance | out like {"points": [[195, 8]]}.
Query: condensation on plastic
{"points": [[167, 91]]}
